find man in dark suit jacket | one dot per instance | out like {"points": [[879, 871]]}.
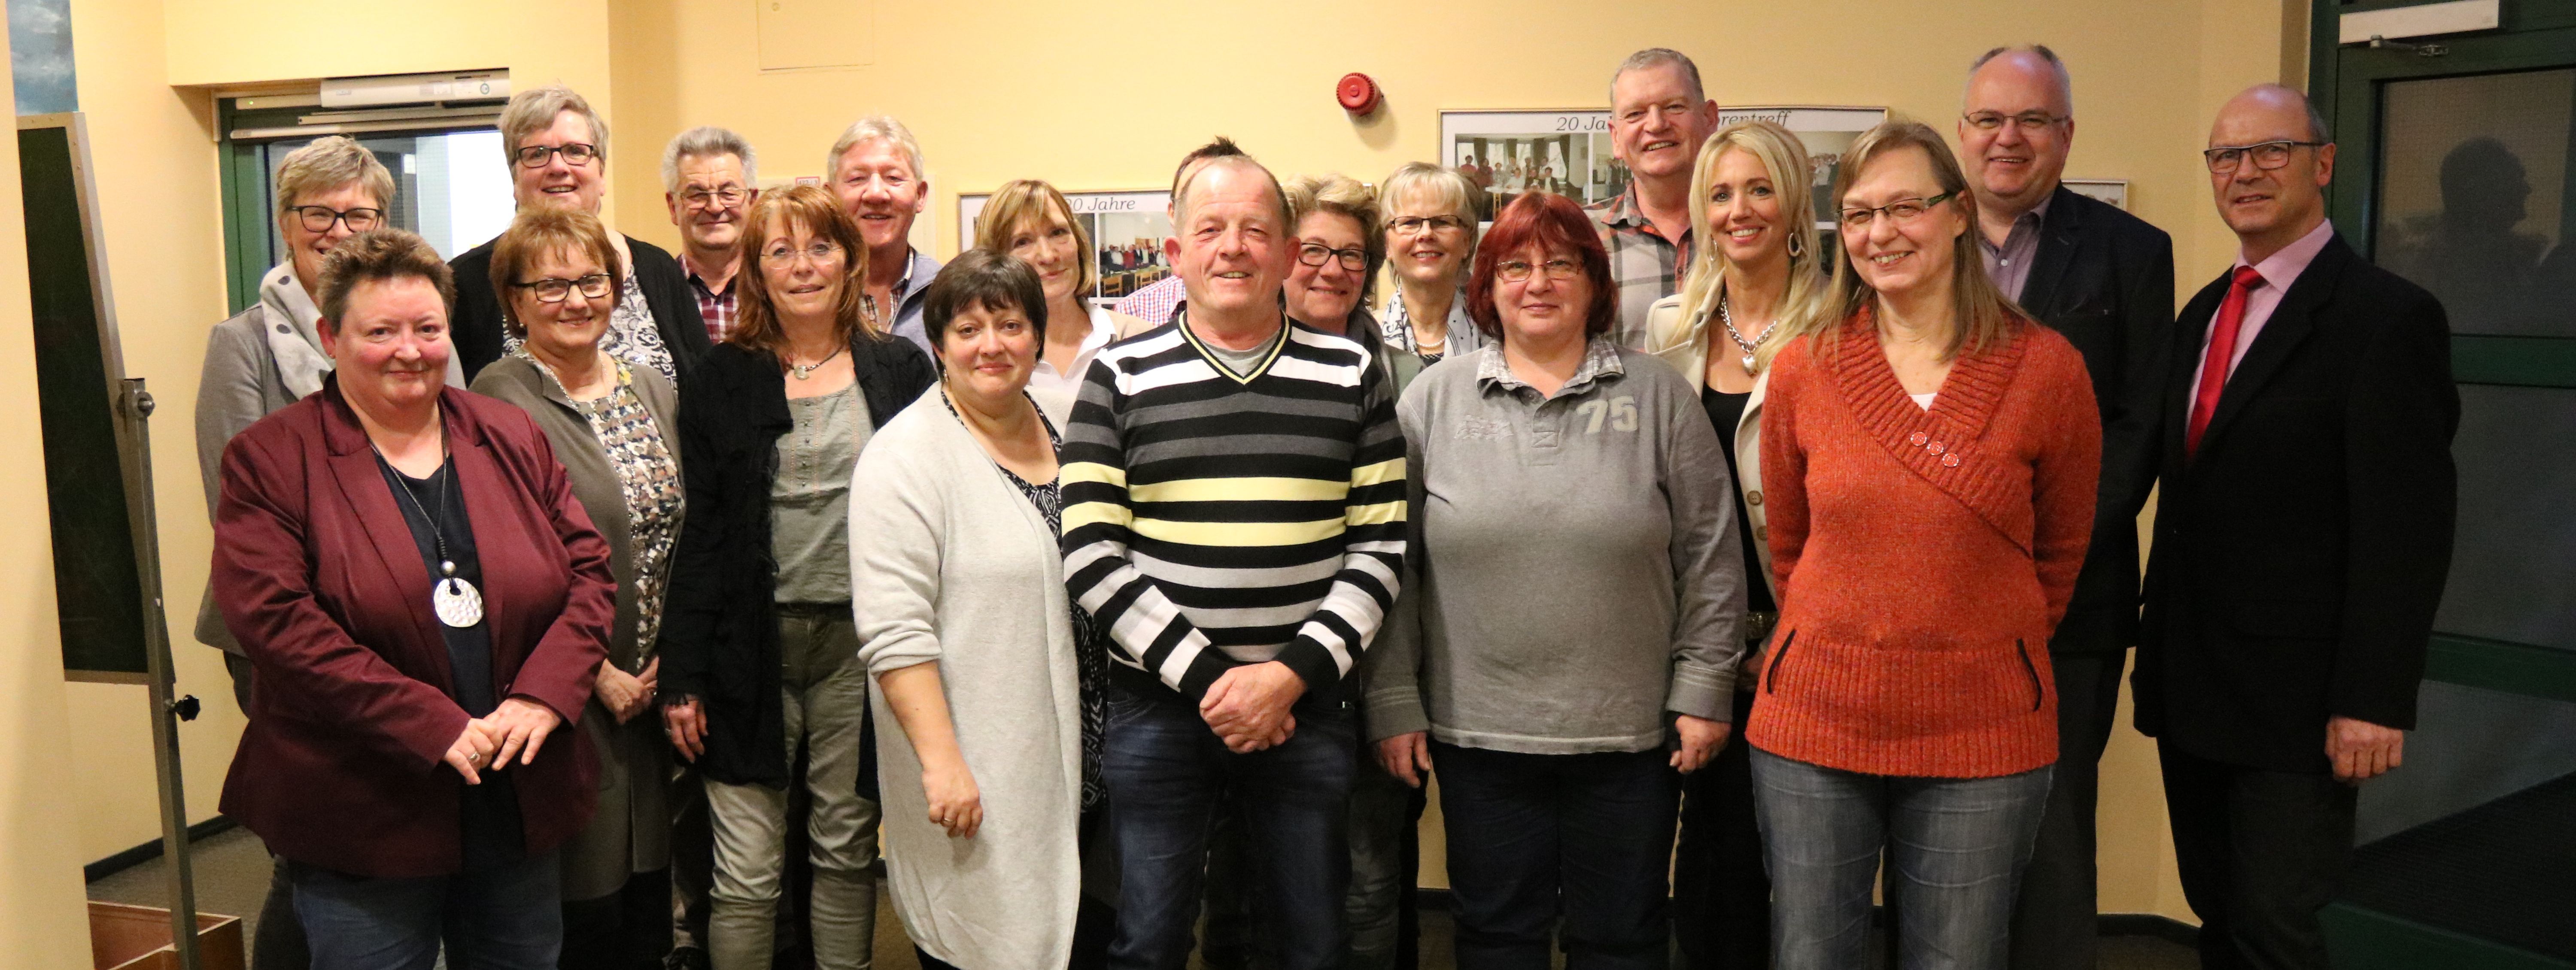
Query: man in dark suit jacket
{"points": [[2104, 279], [2302, 537]]}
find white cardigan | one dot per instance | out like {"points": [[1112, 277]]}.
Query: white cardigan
{"points": [[950, 564], [1681, 339]]}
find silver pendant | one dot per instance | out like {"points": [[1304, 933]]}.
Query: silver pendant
{"points": [[1748, 363], [457, 602]]}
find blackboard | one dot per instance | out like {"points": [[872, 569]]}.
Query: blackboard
{"points": [[91, 441]]}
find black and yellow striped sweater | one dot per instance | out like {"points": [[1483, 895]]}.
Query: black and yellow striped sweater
{"points": [[1213, 519]]}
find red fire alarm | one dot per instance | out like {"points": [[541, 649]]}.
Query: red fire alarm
{"points": [[1357, 93]]}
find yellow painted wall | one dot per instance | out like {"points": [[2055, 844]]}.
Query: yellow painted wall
{"points": [[41, 918], [1009, 88]]}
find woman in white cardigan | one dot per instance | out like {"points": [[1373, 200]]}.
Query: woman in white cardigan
{"points": [[958, 591], [1746, 292]]}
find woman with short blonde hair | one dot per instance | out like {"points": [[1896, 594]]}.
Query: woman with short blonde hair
{"points": [[1430, 231]]}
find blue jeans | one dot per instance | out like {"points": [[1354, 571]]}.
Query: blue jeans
{"points": [[1532, 834], [501, 919], [1956, 845], [1167, 772]]}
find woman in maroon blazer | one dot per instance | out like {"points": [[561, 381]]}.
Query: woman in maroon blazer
{"points": [[423, 602]]}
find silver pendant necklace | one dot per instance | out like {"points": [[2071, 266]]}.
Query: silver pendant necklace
{"points": [[457, 602], [805, 371], [1747, 346]]}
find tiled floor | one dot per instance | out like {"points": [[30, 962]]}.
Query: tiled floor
{"points": [[232, 878]]}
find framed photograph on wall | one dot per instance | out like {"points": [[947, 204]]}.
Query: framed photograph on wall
{"points": [[2113, 191], [1127, 230], [1569, 152], [1511, 152]]}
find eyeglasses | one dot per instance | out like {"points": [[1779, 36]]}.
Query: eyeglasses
{"points": [[2027, 121], [1317, 254], [2268, 155], [819, 253], [575, 154], [553, 290], [1900, 211], [318, 218], [724, 198], [1514, 270], [1417, 225]]}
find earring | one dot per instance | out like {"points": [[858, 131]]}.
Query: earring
{"points": [[1797, 246]]}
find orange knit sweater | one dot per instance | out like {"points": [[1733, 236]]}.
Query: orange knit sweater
{"points": [[1922, 558]]}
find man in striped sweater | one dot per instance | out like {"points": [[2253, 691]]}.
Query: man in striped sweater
{"points": [[1234, 518]]}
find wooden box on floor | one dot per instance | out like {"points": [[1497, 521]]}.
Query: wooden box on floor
{"points": [[138, 938]]}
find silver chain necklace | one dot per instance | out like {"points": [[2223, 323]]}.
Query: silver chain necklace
{"points": [[457, 602], [1747, 346]]}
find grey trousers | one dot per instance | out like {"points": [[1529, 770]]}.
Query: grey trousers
{"points": [[826, 695]]}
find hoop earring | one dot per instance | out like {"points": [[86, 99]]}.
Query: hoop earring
{"points": [[1797, 247]]}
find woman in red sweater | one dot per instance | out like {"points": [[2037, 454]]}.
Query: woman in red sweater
{"points": [[1930, 457]]}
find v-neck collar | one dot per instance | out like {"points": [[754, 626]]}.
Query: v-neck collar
{"points": [[1278, 343], [1945, 444]]}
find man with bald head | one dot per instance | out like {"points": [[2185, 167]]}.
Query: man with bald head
{"points": [[1234, 519], [2302, 537], [2104, 279]]}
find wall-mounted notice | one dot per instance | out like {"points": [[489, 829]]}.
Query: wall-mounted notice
{"points": [[2113, 191], [1127, 230]]}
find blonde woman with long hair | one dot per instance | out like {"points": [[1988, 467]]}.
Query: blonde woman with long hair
{"points": [[1757, 281]]}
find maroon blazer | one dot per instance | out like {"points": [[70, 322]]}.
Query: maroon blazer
{"points": [[317, 575]]}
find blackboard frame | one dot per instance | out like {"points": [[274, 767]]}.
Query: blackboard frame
{"points": [[106, 546]]}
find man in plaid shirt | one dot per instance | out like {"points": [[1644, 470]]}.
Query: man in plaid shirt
{"points": [[1154, 303], [1659, 115], [708, 179]]}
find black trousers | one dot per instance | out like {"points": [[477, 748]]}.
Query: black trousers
{"points": [[2260, 852], [2055, 915], [279, 944], [1721, 895]]}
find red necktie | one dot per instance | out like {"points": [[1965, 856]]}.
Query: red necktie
{"points": [[2222, 352]]}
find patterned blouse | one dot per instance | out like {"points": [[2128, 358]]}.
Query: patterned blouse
{"points": [[651, 483], [1090, 655], [631, 336]]}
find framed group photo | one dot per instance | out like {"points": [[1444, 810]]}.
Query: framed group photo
{"points": [[1127, 230]]}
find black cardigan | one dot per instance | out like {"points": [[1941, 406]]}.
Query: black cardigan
{"points": [[719, 638], [477, 320]]}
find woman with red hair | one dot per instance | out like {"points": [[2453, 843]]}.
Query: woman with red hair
{"points": [[1570, 638]]}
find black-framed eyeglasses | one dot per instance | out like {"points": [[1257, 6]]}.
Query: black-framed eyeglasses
{"points": [[1900, 211], [1317, 254], [2027, 121], [724, 198], [318, 218], [1416, 225], [574, 154], [1516, 270], [819, 253], [554, 290], [2268, 155]]}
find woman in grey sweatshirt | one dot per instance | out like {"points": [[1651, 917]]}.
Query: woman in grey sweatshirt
{"points": [[1569, 638]]}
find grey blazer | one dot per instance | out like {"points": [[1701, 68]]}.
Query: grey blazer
{"points": [[238, 386], [630, 832]]}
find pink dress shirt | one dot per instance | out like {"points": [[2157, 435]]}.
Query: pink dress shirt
{"points": [[2279, 271]]}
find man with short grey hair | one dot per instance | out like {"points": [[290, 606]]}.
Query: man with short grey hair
{"points": [[2104, 279], [876, 169], [709, 177], [1659, 115]]}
